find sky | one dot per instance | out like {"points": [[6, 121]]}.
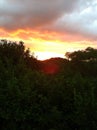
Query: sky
{"points": [[50, 28]]}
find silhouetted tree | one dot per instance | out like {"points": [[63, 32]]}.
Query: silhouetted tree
{"points": [[55, 94]]}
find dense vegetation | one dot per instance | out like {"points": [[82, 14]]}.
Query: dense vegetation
{"points": [[56, 94]]}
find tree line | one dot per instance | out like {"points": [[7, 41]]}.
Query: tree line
{"points": [[55, 94]]}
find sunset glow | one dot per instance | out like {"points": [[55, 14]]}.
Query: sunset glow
{"points": [[50, 29], [47, 55]]}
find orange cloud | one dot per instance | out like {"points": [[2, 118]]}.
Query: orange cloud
{"points": [[47, 44]]}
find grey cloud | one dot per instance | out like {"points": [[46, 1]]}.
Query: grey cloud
{"points": [[16, 14], [83, 22], [74, 17]]}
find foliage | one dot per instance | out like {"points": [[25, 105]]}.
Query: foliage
{"points": [[32, 99]]}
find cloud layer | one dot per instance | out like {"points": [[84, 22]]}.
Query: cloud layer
{"points": [[65, 17], [32, 13]]}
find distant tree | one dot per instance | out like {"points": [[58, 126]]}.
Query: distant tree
{"points": [[89, 54]]}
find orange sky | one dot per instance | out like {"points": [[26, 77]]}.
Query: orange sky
{"points": [[50, 28], [46, 45]]}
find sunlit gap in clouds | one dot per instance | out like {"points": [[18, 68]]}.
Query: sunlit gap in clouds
{"points": [[49, 49], [46, 47], [47, 55]]}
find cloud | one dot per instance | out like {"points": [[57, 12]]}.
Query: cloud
{"points": [[16, 14], [65, 17], [82, 22]]}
